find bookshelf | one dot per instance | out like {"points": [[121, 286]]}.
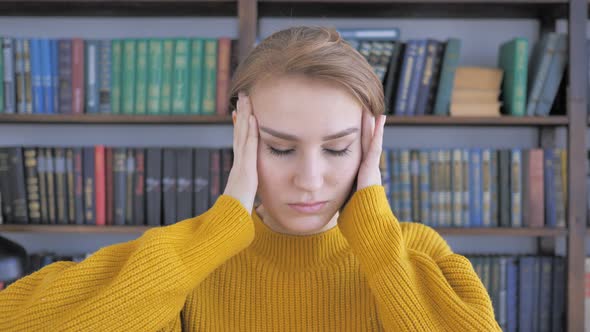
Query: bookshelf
{"points": [[249, 15]]}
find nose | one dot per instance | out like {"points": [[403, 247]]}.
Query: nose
{"points": [[309, 173]]}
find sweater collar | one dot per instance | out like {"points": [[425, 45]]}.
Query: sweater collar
{"points": [[297, 252]]}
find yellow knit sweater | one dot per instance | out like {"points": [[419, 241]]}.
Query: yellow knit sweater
{"points": [[227, 271]]}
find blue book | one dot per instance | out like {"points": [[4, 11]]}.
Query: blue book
{"points": [[475, 187], [369, 33], [420, 61], [544, 293], [512, 294], [558, 300], [424, 186], [539, 69], [554, 77], [54, 75], [36, 77], [526, 294], [46, 76]]}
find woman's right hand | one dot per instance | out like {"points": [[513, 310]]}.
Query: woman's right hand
{"points": [[242, 182]]}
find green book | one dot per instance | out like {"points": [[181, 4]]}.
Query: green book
{"points": [[210, 77], [129, 72], [181, 76], [167, 71], [513, 60], [155, 50], [449, 65], [116, 57], [196, 75], [141, 77]]}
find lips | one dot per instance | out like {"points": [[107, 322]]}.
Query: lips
{"points": [[308, 207]]}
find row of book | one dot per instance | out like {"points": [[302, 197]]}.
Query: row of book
{"points": [[419, 76], [110, 185], [157, 76], [527, 292], [477, 187], [474, 187]]}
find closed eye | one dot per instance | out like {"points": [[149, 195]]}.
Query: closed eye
{"points": [[281, 153]]}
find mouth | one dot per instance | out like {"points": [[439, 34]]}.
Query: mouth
{"points": [[312, 207]]}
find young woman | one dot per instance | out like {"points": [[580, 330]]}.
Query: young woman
{"points": [[322, 252]]}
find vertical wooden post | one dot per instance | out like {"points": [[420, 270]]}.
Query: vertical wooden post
{"points": [[248, 16]]}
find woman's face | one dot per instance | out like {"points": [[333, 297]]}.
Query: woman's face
{"points": [[309, 151]]}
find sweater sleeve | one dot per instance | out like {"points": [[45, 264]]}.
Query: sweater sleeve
{"points": [[419, 284], [140, 285]]}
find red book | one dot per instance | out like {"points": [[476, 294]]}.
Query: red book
{"points": [[77, 76], [100, 185], [109, 186], [223, 75]]}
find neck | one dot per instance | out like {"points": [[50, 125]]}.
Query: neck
{"points": [[275, 226]]}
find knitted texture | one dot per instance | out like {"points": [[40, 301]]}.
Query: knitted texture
{"points": [[226, 270]]}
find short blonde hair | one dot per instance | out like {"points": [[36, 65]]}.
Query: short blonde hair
{"points": [[314, 52]]}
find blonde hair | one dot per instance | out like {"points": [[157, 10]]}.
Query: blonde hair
{"points": [[314, 52]]}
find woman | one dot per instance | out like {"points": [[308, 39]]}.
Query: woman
{"points": [[322, 252]]}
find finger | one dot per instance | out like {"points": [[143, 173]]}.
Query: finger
{"points": [[377, 142], [243, 116], [366, 133], [235, 138], [251, 147]]}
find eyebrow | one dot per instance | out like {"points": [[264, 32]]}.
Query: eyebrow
{"points": [[290, 137]]}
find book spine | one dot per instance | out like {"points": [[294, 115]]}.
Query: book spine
{"points": [[169, 186], [129, 186], [60, 185], [42, 175], [153, 186], [201, 181], [89, 187], [9, 84], [51, 190], [99, 188], [447, 76], [70, 192], [119, 184], [116, 75], [141, 81], [46, 76], [104, 66], [129, 72], [36, 76], [155, 50], [196, 88], [223, 76], [184, 183], [65, 76], [167, 74], [209, 77], [139, 188], [79, 186], [27, 76], [19, 73], [32, 178], [180, 77], [78, 76], [54, 73]]}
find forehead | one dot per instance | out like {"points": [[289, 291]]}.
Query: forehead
{"points": [[304, 106]]}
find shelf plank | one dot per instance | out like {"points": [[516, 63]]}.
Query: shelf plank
{"points": [[222, 119], [524, 232]]}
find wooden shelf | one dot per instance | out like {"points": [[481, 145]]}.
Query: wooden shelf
{"points": [[119, 8], [220, 119], [524, 232]]}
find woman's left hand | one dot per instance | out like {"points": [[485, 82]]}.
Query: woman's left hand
{"points": [[372, 144]]}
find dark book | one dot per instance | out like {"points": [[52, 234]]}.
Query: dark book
{"points": [[32, 178], [201, 181], [153, 186], [169, 186], [425, 87], [19, 195], [42, 175], [5, 184], [60, 185], [184, 183], [79, 186], [129, 196], [119, 184], [391, 78], [89, 194], [65, 76], [139, 188], [70, 192], [110, 211], [504, 187], [214, 175], [51, 190]]}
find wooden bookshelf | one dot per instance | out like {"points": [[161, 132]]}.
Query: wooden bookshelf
{"points": [[221, 119], [520, 232]]}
